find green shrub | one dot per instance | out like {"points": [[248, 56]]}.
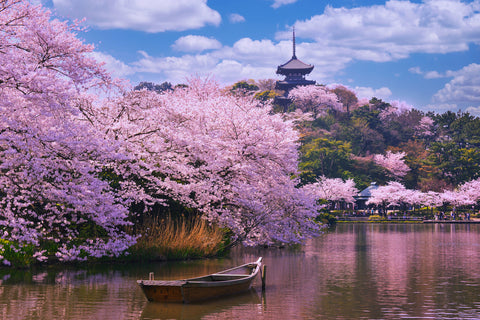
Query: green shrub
{"points": [[16, 255], [326, 218], [376, 217]]}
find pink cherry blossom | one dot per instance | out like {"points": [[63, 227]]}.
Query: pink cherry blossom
{"points": [[396, 108], [425, 127], [394, 193], [393, 163], [314, 99], [216, 152], [334, 189], [50, 155]]}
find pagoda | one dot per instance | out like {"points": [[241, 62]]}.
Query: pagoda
{"points": [[294, 71]]}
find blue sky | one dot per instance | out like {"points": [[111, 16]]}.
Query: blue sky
{"points": [[426, 53]]}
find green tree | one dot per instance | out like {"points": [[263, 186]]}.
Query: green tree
{"points": [[378, 104], [325, 157], [159, 88], [365, 171], [244, 86], [265, 96], [369, 115], [457, 164], [460, 127], [363, 138]]}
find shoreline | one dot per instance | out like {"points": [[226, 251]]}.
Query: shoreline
{"points": [[363, 220]]}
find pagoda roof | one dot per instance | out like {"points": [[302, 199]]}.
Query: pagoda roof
{"points": [[293, 83], [367, 192], [294, 65]]}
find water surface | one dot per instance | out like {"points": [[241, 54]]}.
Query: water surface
{"points": [[358, 271]]}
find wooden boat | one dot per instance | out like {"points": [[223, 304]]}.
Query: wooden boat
{"points": [[218, 284]]}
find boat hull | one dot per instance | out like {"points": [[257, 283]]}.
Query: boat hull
{"points": [[187, 294], [216, 285], [167, 291]]}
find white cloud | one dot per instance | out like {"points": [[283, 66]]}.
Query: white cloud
{"points": [[177, 69], [365, 92], [433, 75], [441, 108], [256, 50], [430, 74], [267, 55], [463, 88], [473, 111], [415, 70], [246, 58], [143, 15], [278, 3], [395, 30], [230, 71], [193, 43], [117, 68], [236, 18]]}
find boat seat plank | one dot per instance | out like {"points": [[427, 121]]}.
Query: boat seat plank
{"points": [[165, 283], [226, 275]]}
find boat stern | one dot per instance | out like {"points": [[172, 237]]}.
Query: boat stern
{"points": [[162, 291]]}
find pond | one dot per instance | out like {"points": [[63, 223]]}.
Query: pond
{"points": [[357, 271]]}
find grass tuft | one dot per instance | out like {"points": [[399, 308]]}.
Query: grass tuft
{"points": [[179, 238]]}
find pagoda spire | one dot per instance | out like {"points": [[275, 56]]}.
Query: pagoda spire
{"points": [[294, 55], [294, 71]]}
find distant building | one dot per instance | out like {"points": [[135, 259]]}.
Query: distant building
{"points": [[364, 195], [294, 71]]}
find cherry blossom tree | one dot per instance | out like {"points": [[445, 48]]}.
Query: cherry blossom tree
{"points": [[413, 197], [396, 108], [455, 198], [470, 191], [425, 127], [334, 189], [314, 99], [392, 194], [393, 163], [431, 199], [396, 194], [50, 157], [218, 153]]}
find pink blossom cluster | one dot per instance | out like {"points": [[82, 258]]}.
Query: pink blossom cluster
{"points": [[394, 193], [393, 163], [50, 156], [396, 108], [333, 189], [314, 99], [425, 127], [217, 152]]}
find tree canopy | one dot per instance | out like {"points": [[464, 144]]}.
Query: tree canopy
{"points": [[75, 163]]}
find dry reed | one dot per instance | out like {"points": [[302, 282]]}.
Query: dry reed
{"points": [[177, 239]]}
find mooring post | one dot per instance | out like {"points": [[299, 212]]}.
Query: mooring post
{"points": [[264, 276]]}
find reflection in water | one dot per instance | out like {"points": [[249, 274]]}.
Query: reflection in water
{"points": [[247, 303], [358, 271]]}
